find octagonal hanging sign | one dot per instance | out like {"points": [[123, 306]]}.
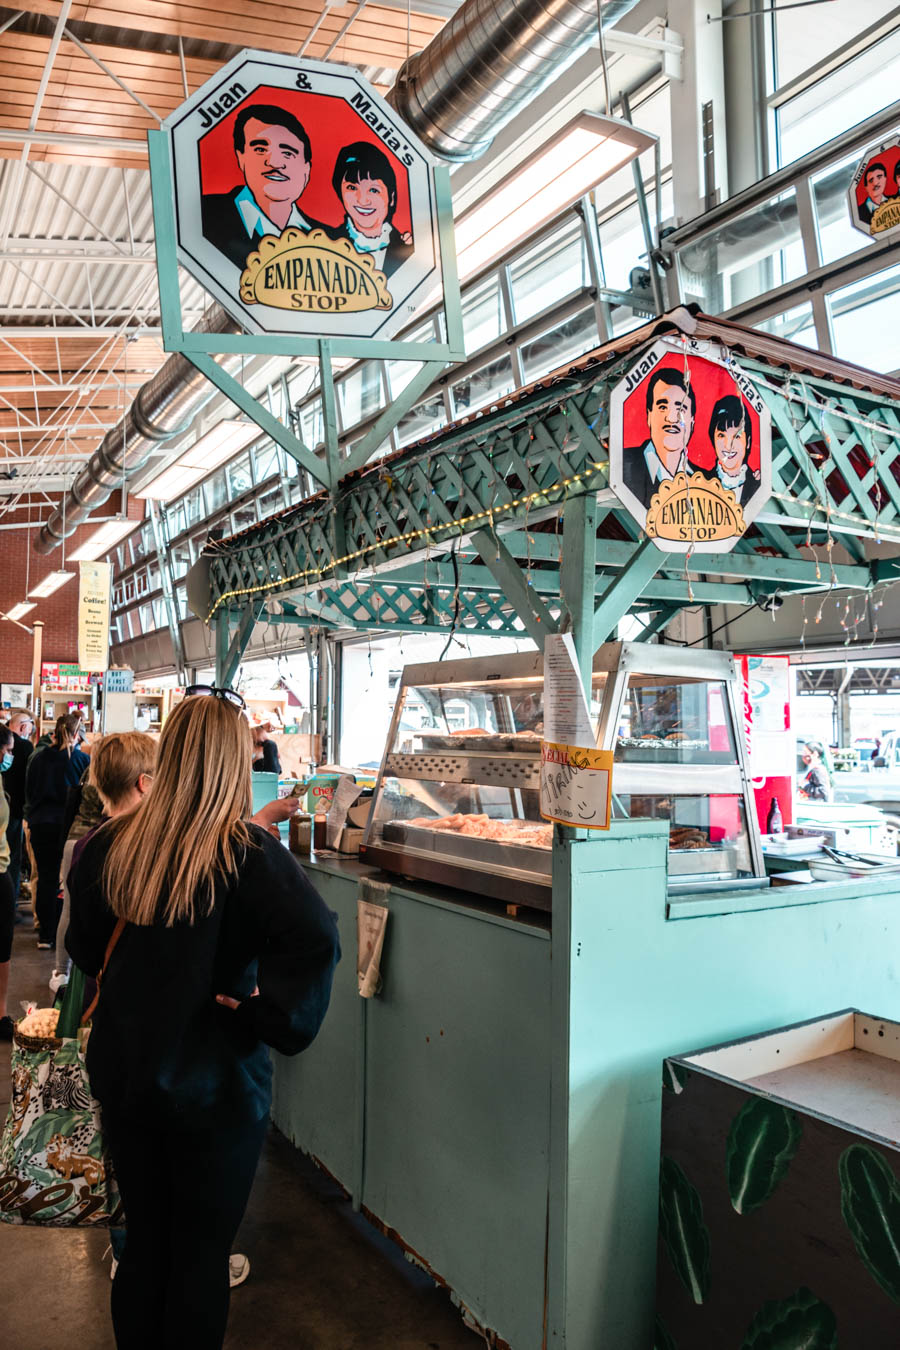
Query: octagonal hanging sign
{"points": [[690, 446], [874, 194], [302, 202]]}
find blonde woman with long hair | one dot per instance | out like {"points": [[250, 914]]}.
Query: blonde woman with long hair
{"points": [[224, 948], [52, 770]]}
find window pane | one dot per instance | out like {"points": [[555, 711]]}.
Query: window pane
{"points": [[492, 382], [483, 318], [312, 425], [549, 271], [360, 393], [851, 94], [837, 237], [216, 492], [181, 560], [745, 258], [799, 44], [863, 318], [270, 502], [796, 325], [420, 421], [239, 476], [244, 517], [145, 619], [193, 506], [570, 340], [266, 462]]}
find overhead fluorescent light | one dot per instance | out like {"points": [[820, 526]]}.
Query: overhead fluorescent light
{"points": [[574, 160], [51, 582], [20, 610], [225, 439], [104, 538]]}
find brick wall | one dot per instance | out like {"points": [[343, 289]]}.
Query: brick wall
{"points": [[59, 611]]}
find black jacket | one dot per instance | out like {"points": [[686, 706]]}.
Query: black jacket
{"points": [[160, 1045], [270, 763], [14, 778], [50, 774], [223, 225]]}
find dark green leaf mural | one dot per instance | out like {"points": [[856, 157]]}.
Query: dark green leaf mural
{"points": [[870, 1204], [683, 1230], [661, 1338], [761, 1143], [801, 1322]]}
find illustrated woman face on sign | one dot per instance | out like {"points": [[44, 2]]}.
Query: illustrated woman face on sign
{"points": [[367, 186], [731, 434]]}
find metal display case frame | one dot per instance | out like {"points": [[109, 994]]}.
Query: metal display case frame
{"points": [[510, 873]]}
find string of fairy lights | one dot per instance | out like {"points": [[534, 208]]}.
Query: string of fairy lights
{"points": [[819, 512]]}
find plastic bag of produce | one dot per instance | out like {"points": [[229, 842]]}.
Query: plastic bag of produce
{"points": [[54, 1169]]}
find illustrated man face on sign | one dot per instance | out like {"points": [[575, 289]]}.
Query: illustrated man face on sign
{"points": [[274, 156], [671, 408], [876, 183]]}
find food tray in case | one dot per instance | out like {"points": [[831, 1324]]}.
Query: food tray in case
{"points": [[491, 743]]}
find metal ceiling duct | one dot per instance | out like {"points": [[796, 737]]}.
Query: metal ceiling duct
{"points": [[162, 408], [484, 66], [487, 62]]}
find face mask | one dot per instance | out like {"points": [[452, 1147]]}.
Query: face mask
{"points": [[6, 763]]}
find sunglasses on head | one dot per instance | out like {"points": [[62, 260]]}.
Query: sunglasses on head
{"points": [[226, 695]]}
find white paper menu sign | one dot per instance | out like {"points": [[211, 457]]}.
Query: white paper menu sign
{"points": [[345, 794], [567, 719]]}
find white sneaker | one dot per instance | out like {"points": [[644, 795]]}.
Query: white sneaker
{"points": [[238, 1269]]}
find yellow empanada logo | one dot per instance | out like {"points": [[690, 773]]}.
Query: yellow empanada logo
{"points": [[694, 510], [311, 272]]}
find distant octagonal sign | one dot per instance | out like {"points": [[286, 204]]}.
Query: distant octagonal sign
{"points": [[875, 191], [690, 446], [303, 203]]}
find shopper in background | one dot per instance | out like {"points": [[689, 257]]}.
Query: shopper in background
{"points": [[226, 949], [118, 778], [817, 785], [21, 724], [265, 752], [52, 770], [7, 896]]}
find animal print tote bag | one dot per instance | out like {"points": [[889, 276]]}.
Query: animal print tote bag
{"points": [[54, 1169]]}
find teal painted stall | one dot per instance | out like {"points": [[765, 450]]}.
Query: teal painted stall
{"points": [[499, 1110]]}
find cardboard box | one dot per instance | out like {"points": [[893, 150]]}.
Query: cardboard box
{"points": [[350, 840]]}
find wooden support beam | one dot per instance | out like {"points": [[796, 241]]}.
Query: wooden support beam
{"points": [[622, 592], [520, 593], [577, 577], [228, 661]]}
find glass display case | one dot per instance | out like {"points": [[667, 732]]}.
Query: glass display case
{"points": [[457, 797], [672, 719]]}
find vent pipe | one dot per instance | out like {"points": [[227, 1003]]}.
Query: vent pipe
{"points": [[483, 67], [163, 407], [487, 63]]}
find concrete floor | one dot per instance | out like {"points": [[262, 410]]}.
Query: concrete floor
{"points": [[321, 1277]]}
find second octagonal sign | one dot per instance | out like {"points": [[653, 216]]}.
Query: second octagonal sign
{"points": [[303, 203]]}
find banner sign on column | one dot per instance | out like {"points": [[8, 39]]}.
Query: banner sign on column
{"points": [[94, 581], [576, 785]]}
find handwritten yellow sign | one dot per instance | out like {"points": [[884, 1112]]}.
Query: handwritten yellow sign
{"points": [[95, 580], [310, 271], [576, 785]]}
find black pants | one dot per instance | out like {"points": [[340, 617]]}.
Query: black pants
{"points": [[46, 845], [14, 839], [7, 916], [184, 1194]]}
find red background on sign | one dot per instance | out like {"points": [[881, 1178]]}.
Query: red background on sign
{"points": [[709, 383], [330, 123], [889, 158]]}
